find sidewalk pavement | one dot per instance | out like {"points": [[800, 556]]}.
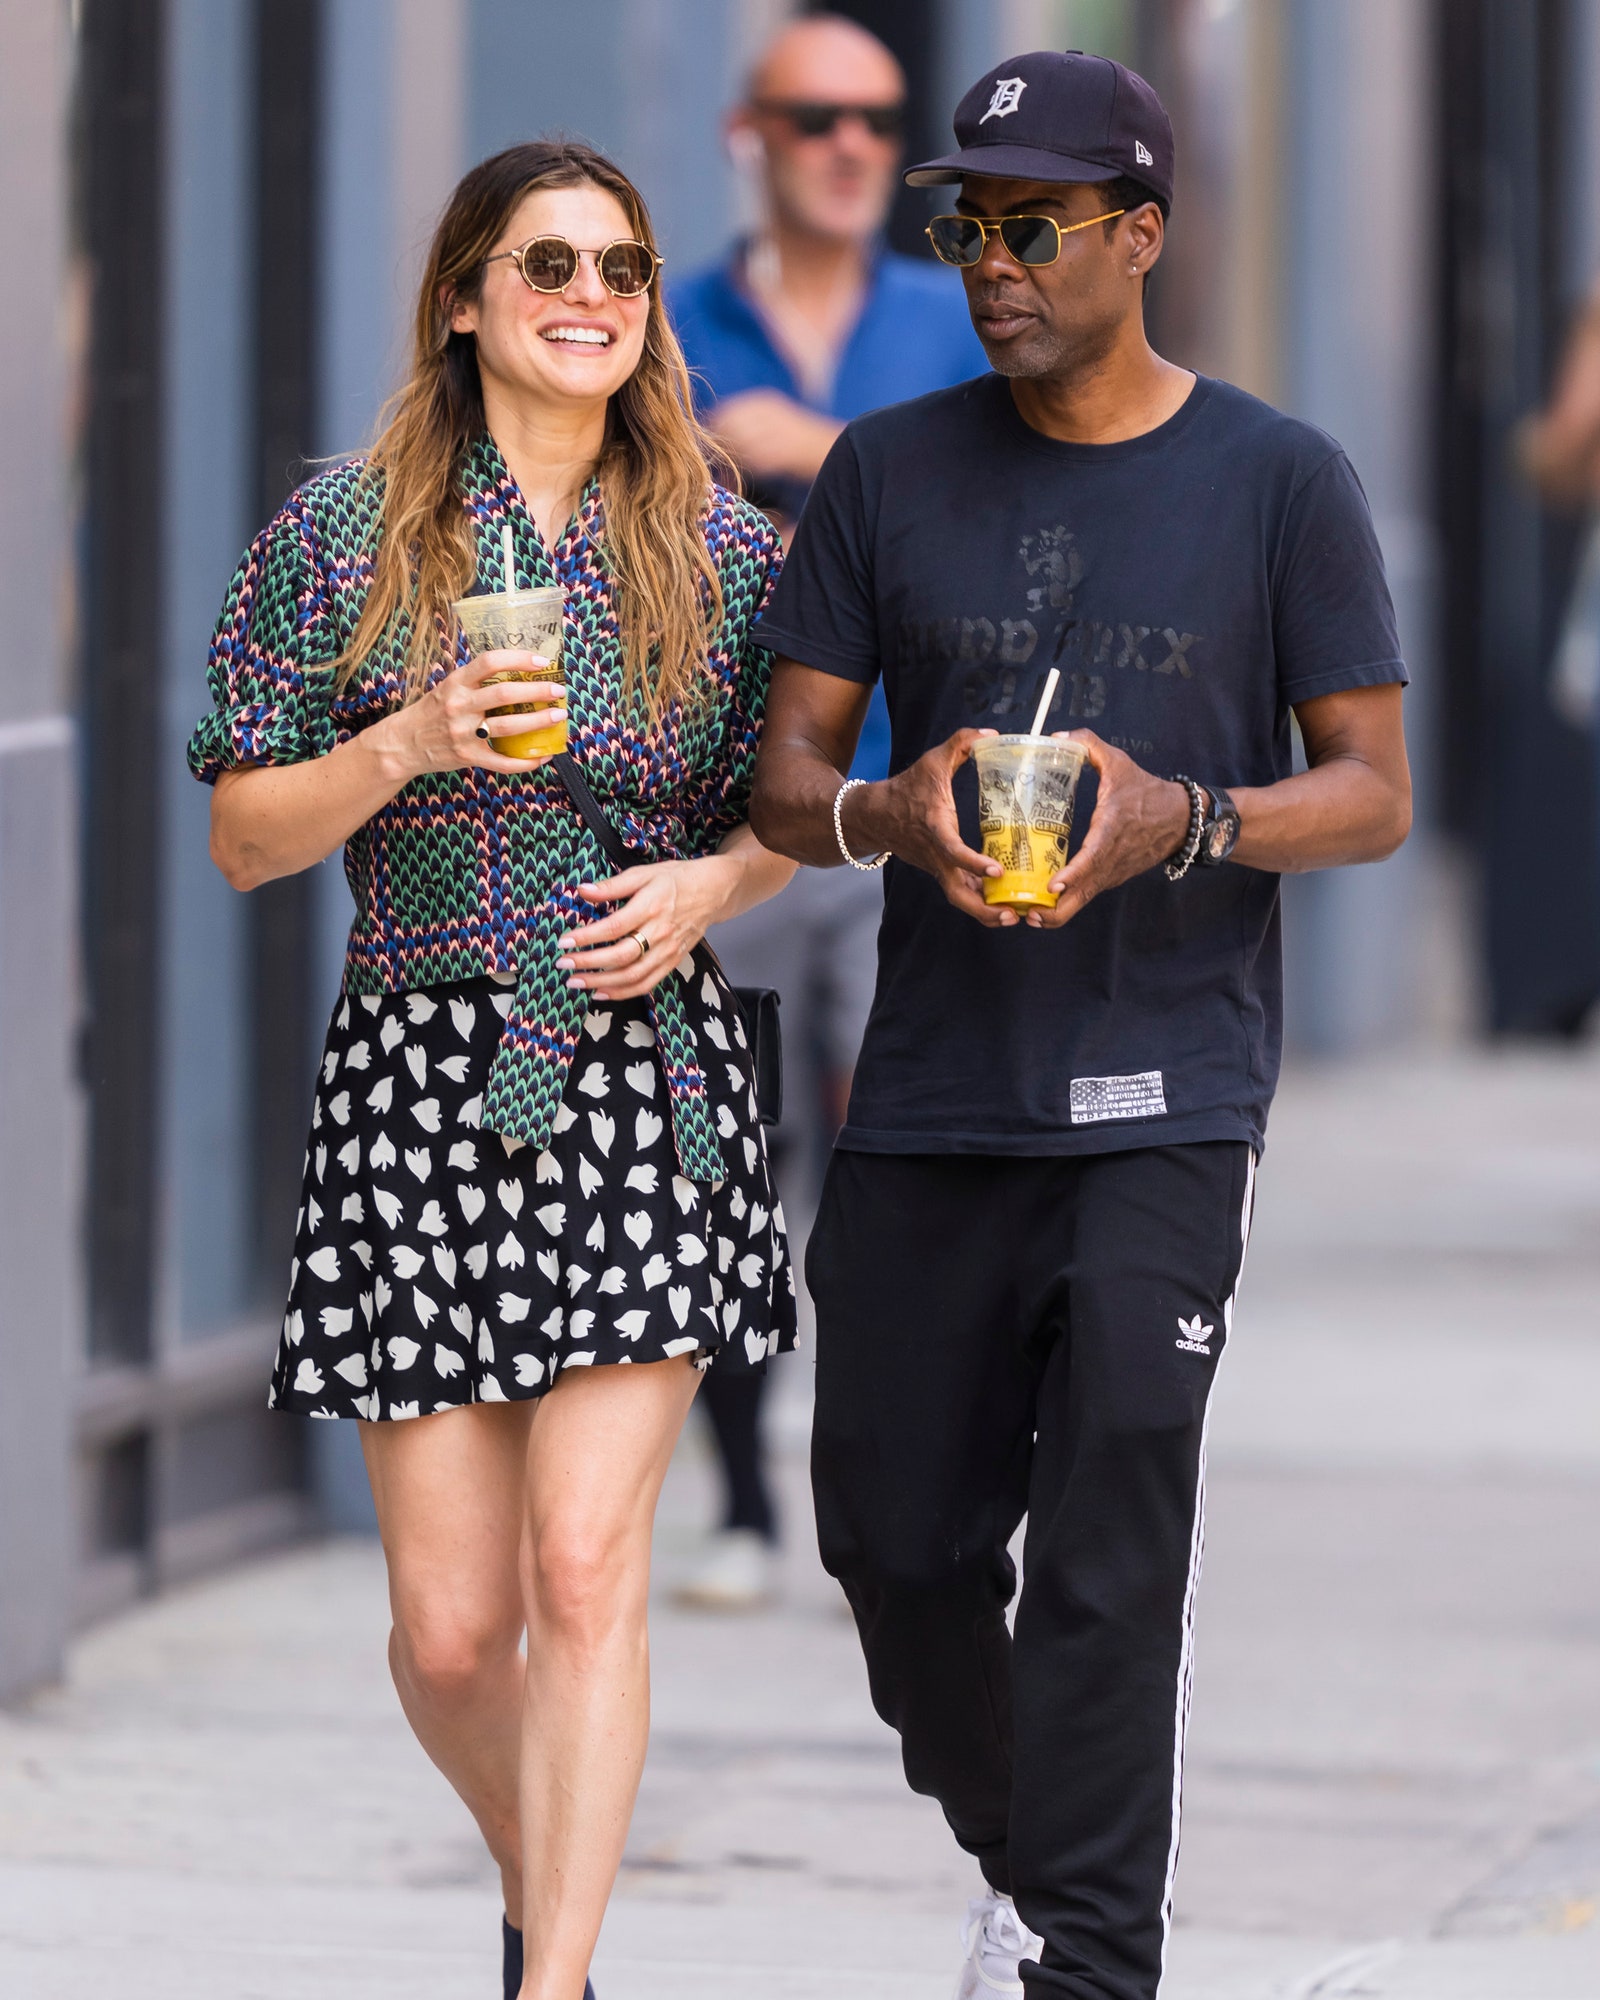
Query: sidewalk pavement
{"points": [[1394, 1773]]}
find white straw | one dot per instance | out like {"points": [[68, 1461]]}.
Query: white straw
{"points": [[508, 555], [1052, 682]]}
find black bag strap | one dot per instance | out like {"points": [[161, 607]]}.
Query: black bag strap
{"points": [[590, 810]]}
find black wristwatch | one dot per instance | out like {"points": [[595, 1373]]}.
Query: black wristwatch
{"points": [[1219, 831]]}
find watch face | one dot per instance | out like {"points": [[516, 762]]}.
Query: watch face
{"points": [[1217, 839]]}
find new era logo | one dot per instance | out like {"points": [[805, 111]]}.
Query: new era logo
{"points": [[1143, 154]]}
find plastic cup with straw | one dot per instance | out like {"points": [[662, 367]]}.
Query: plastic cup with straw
{"points": [[1026, 786], [529, 621]]}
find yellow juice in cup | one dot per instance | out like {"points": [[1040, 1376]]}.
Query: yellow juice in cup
{"points": [[529, 620], [1026, 786]]}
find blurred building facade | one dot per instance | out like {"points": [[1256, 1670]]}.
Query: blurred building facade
{"points": [[1387, 211]]}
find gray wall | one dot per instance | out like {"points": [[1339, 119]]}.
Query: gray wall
{"points": [[39, 1112]]}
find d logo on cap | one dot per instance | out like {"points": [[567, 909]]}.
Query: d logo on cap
{"points": [[1007, 96]]}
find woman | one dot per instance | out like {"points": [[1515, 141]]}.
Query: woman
{"points": [[534, 1153]]}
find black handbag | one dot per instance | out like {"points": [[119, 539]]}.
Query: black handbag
{"points": [[757, 1004]]}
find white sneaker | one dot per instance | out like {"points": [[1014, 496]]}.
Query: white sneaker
{"points": [[996, 1941], [735, 1574]]}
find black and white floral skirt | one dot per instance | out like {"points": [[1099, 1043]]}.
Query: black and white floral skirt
{"points": [[437, 1264]]}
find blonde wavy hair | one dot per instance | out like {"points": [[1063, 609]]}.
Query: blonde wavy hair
{"points": [[655, 466]]}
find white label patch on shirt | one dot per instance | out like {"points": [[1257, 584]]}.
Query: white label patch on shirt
{"points": [[1097, 1099]]}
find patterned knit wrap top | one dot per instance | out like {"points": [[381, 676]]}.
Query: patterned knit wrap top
{"points": [[474, 872]]}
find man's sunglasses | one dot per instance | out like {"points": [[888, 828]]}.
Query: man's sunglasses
{"points": [[818, 121], [550, 263], [1030, 239]]}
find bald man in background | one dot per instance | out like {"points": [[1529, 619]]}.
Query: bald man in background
{"points": [[806, 323]]}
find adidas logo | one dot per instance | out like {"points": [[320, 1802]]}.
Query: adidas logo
{"points": [[1193, 1335], [1142, 154]]}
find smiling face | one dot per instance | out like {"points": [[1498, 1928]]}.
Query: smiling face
{"points": [[1048, 319], [573, 347]]}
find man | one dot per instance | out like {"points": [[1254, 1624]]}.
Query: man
{"points": [[1025, 1261], [804, 324]]}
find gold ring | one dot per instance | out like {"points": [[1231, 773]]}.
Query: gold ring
{"points": [[642, 942]]}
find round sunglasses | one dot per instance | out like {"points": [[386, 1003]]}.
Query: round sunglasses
{"points": [[1030, 239], [550, 263]]}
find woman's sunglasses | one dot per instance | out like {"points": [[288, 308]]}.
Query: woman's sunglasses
{"points": [[550, 263], [1030, 239], [819, 121]]}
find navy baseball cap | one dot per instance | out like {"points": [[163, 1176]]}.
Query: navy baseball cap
{"points": [[1055, 117]]}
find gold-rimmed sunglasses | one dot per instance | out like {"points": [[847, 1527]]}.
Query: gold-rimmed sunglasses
{"points": [[550, 263], [1030, 239]]}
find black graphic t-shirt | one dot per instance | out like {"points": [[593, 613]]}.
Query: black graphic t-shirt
{"points": [[1192, 585]]}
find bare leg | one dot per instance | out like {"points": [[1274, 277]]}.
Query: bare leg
{"points": [[449, 1493], [597, 1454]]}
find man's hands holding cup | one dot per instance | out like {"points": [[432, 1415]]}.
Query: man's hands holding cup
{"points": [[1138, 820], [450, 727]]}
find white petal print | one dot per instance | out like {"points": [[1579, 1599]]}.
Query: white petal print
{"points": [[597, 1024], [349, 1155], [339, 1108], [596, 1238], [577, 1277], [388, 1206], [406, 1261], [354, 1370], [530, 1369], [426, 1308], [501, 1003], [751, 1271], [632, 1324], [401, 1411], [552, 1218], [594, 1082], [549, 1262], [641, 1077], [308, 1378], [554, 1322], [691, 1250], [352, 1209], [709, 993], [578, 1325], [643, 1178], [471, 1113], [463, 1156], [637, 1228], [431, 1221], [364, 1252], [446, 1360], [684, 1193], [383, 1153], [730, 1314], [294, 1328], [461, 1012], [313, 1215], [547, 1168], [485, 1343], [444, 1262], [455, 1067], [322, 1161], [656, 1272], [647, 1129], [512, 1309], [344, 1016], [737, 1204], [678, 1300], [724, 1253], [639, 1034], [417, 1063], [461, 1319], [584, 1358], [758, 1219], [508, 1145], [613, 1280], [755, 1347], [604, 1129], [727, 1124], [391, 1034], [381, 1294], [510, 1193], [357, 1056], [420, 1161], [402, 1352], [324, 1264], [337, 1320], [316, 1114], [564, 1119], [590, 1177], [685, 1346], [381, 1095], [427, 1114], [715, 1032], [477, 1259], [420, 1008], [364, 1300], [752, 1153], [473, 1201], [509, 1256], [490, 1391]]}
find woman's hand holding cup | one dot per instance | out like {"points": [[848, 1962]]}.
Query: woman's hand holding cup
{"points": [[451, 727]]}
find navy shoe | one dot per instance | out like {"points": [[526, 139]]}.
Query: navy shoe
{"points": [[511, 1962]]}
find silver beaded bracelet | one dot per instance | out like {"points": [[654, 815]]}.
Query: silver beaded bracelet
{"points": [[866, 867]]}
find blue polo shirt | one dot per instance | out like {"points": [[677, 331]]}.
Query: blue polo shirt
{"points": [[914, 335]]}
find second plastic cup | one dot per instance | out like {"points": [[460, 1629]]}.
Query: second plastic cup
{"points": [[529, 620], [1026, 785]]}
